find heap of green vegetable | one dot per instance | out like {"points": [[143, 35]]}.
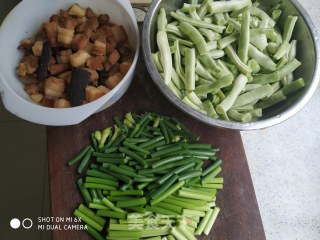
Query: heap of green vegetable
{"points": [[147, 181], [227, 59]]}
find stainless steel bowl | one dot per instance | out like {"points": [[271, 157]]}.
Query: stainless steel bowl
{"points": [[308, 54]]}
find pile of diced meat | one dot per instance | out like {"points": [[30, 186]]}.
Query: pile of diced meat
{"points": [[75, 58]]}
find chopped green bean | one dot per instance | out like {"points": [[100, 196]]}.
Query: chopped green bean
{"points": [[254, 11], [102, 181], [209, 34], [99, 186], [88, 220], [167, 193], [89, 213], [262, 59], [289, 67], [272, 100], [79, 156], [132, 203], [293, 87], [167, 184], [220, 19], [85, 160], [193, 195], [211, 175], [288, 27], [238, 86], [223, 42], [293, 50], [98, 174], [94, 141], [150, 142], [186, 176], [166, 150], [98, 206], [155, 145], [85, 193], [283, 50], [228, 6], [134, 155], [174, 30], [134, 147], [197, 23], [276, 14], [188, 200], [207, 60], [239, 117], [166, 60], [156, 61], [118, 182], [210, 109], [120, 170], [216, 54], [195, 36], [123, 178], [193, 13], [127, 193], [112, 160], [204, 73], [110, 205], [267, 78], [111, 214], [177, 234], [160, 210], [120, 198], [203, 8], [203, 222], [94, 233], [253, 95], [155, 232], [244, 37], [175, 171], [215, 86], [212, 167], [211, 220], [243, 68], [124, 227], [190, 56], [162, 20], [170, 207], [110, 150], [236, 24]]}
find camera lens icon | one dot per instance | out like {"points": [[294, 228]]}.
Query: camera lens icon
{"points": [[26, 223]]}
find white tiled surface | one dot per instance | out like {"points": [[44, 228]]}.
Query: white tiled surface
{"points": [[284, 162]]}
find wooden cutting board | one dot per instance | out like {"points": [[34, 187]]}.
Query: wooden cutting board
{"points": [[239, 218]]}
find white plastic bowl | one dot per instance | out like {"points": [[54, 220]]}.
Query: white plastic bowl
{"points": [[24, 21]]}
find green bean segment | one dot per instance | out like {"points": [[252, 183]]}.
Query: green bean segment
{"points": [[215, 42], [195, 36], [154, 176]]}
